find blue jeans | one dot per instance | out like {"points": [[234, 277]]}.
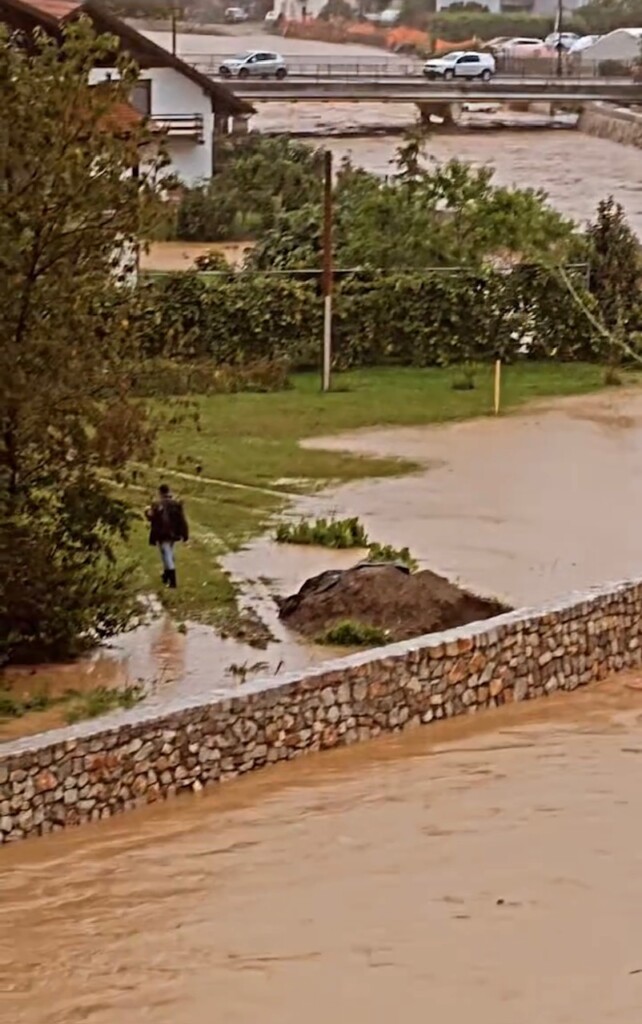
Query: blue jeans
{"points": [[167, 554]]}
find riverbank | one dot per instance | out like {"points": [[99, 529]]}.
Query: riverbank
{"points": [[88, 773]]}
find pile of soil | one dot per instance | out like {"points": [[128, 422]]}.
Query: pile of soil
{"points": [[385, 596]]}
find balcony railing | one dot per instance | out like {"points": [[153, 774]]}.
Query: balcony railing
{"points": [[184, 126]]}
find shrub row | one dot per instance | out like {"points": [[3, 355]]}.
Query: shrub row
{"points": [[405, 319]]}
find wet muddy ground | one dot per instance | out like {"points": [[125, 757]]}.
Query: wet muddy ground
{"points": [[487, 869], [525, 508]]}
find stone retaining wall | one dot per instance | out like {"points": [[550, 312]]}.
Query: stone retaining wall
{"points": [[606, 121], [94, 770]]}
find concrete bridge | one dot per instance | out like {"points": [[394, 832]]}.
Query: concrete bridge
{"points": [[419, 90]]}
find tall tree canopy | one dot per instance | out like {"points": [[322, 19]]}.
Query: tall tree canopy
{"points": [[74, 200]]}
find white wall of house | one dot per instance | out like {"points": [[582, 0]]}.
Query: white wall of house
{"points": [[173, 93]]}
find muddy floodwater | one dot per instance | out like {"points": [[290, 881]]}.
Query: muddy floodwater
{"points": [[525, 508], [486, 870], [575, 170]]}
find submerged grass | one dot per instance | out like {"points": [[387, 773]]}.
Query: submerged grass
{"points": [[326, 533], [77, 704], [253, 440]]}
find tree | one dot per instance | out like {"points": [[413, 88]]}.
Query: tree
{"points": [[259, 179], [336, 9], [73, 204], [614, 258], [443, 215]]}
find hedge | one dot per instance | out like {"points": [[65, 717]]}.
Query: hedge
{"points": [[437, 319]]}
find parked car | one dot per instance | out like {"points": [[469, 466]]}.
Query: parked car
{"points": [[523, 46], [461, 64], [235, 15], [496, 43], [583, 43], [257, 63], [564, 39]]}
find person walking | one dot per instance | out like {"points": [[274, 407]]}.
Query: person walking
{"points": [[167, 526]]}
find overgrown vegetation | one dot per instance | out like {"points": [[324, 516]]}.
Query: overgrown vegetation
{"points": [[350, 633]]}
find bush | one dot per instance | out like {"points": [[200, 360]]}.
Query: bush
{"points": [[462, 25], [407, 319]]}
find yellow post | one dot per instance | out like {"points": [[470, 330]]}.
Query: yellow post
{"points": [[498, 385]]}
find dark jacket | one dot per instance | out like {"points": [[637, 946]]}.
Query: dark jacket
{"points": [[167, 521]]}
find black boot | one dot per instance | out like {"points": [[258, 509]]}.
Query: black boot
{"points": [[171, 579], [165, 577]]}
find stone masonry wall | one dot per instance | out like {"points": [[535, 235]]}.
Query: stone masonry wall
{"points": [[94, 770], [606, 121]]}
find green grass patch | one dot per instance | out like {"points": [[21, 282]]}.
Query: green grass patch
{"points": [[100, 701], [349, 633], [77, 704], [326, 533], [254, 440], [341, 534]]}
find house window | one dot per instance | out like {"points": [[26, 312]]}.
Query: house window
{"points": [[141, 97]]}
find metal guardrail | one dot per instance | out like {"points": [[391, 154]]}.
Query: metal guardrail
{"points": [[378, 66]]}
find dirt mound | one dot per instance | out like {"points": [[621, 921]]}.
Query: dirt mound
{"points": [[386, 597]]}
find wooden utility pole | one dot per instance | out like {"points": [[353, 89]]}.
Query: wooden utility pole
{"points": [[327, 271], [174, 20], [558, 28]]}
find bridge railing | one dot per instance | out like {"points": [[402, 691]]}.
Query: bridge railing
{"points": [[375, 67]]}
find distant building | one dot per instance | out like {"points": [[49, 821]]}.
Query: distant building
{"points": [[187, 105]]}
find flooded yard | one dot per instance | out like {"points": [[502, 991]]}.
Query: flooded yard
{"points": [[525, 508]]}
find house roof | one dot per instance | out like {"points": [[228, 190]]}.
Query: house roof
{"points": [[52, 15], [121, 118]]}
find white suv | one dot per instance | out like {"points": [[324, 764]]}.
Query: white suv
{"points": [[461, 64]]}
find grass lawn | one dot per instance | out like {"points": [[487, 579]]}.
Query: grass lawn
{"points": [[253, 440]]}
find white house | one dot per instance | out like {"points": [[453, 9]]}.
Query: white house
{"points": [[191, 108]]}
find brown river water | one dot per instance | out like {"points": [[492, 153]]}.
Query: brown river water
{"points": [[486, 869]]}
